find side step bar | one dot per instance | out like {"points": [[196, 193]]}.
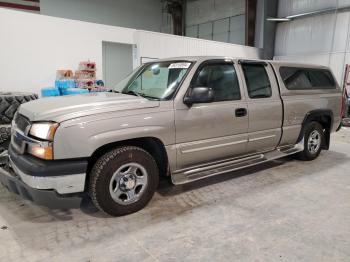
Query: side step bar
{"points": [[190, 175]]}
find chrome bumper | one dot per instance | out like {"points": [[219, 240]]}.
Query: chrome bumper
{"points": [[48, 198], [63, 184]]}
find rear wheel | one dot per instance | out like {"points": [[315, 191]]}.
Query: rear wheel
{"points": [[123, 180], [313, 141]]}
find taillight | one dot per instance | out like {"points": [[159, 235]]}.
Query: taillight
{"points": [[342, 108], [344, 98]]}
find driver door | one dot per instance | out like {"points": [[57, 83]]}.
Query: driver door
{"points": [[208, 132]]}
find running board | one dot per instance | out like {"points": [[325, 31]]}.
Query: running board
{"points": [[189, 175]]}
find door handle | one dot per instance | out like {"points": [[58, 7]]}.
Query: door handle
{"points": [[239, 112]]}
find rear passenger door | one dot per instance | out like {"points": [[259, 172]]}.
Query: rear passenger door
{"points": [[264, 106]]}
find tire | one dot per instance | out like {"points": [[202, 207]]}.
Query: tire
{"points": [[129, 165], [2, 149], [9, 103], [312, 150], [5, 137]]}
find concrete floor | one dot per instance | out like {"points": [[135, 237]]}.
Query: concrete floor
{"points": [[286, 210]]}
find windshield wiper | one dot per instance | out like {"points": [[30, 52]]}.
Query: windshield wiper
{"points": [[131, 92], [147, 96]]}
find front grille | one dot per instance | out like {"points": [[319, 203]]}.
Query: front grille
{"points": [[22, 122], [19, 131]]}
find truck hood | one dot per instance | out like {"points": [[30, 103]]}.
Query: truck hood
{"points": [[67, 107]]}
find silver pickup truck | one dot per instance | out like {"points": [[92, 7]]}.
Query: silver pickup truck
{"points": [[186, 118]]}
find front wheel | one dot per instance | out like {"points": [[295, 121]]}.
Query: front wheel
{"points": [[123, 180], [313, 141]]}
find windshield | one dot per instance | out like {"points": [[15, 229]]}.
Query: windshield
{"points": [[157, 80]]}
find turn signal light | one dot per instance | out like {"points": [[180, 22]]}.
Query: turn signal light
{"points": [[42, 152]]}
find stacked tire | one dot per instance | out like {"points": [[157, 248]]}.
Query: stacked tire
{"points": [[9, 103], [5, 134]]}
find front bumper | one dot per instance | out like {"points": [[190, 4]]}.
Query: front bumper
{"points": [[48, 198], [63, 176], [55, 184]]}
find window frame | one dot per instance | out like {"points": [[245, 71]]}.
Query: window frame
{"points": [[173, 95], [334, 86], [256, 63], [215, 62]]}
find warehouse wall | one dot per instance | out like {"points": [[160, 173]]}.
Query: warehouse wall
{"points": [[139, 14], [218, 20], [34, 46], [321, 39], [293, 7], [173, 46]]}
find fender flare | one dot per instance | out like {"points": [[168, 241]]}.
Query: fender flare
{"points": [[316, 115]]}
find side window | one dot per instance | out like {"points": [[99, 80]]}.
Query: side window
{"points": [[307, 78], [222, 78], [257, 80]]}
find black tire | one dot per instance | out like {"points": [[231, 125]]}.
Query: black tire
{"points": [[102, 173], [307, 154], [9, 103], [5, 137]]}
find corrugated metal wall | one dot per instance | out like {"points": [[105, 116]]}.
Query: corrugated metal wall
{"points": [[321, 39], [218, 20], [138, 14], [172, 46]]}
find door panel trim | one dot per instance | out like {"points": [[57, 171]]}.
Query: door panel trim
{"points": [[207, 150], [261, 138], [213, 146]]}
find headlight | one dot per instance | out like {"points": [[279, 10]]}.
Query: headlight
{"points": [[44, 131]]}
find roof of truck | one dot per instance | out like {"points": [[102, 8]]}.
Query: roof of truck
{"points": [[274, 62]]}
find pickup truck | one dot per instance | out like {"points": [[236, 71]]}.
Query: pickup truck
{"points": [[186, 118]]}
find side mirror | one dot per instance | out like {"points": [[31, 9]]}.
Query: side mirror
{"points": [[199, 95]]}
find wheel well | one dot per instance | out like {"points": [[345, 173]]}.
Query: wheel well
{"points": [[150, 144], [325, 119]]}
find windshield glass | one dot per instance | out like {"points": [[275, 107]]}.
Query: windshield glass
{"points": [[157, 80]]}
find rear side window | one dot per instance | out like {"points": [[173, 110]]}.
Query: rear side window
{"points": [[257, 80], [295, 78], [222, 78]]}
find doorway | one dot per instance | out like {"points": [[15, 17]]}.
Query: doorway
{"points": [[117, 61]]}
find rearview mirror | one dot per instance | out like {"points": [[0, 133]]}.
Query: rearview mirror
{"points": [[199, 95]]}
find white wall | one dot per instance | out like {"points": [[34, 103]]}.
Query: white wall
{"points": [[139, 14], [33, 47], [321, 39]]}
